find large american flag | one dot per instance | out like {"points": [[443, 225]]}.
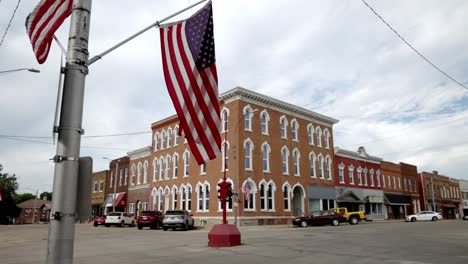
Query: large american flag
{"points": [[42, 23], [246, 189], [188, 55]]}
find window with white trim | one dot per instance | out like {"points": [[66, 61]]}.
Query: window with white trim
{"points": [[144, 206], [248, 149], [156, 141], [378, 178], [389, 182], [286, 199], [224, 116], [383, 181], [326, 136], [131, 208], [371, 178], [250, 203], [351, 174], [186, 163], [318, 132], [120, 177], [267, 197], [139, 169], [155, 169], [310, 134], [399, 183], [283, 125], [312, 159], [176, 136], [174, 199], [328, 165], [182, 198], [296, 157], [359, 176], [161, 168], [145, 172], [284, 160], [265, 118], [266, 157], [294, 128], [320, 161], [189, 198], [163, 139], [175, 166], [95, 188], [203, 169], [207, 198], [168, 168], [132, 177], [101, 186], [225, 156], [365, 175], [341, 172], [247, 118], [169, 137]]}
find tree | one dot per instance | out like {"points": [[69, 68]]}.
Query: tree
{"points": [[8, 187], [19, 198], [48, 194]]}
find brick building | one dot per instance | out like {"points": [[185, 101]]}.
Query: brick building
{"points": [[279, 159], [358, 182], [34, 211], [116, 185], [399, 183], [439, 193], [98, 192], [464, 197]]}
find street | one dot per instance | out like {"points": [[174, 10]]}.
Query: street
{"points": [[444, 241]]}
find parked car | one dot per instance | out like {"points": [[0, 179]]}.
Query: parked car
{"points": [[465, 217], [352, 217], [178, 218], [151, 219], [99, 220], [321, 217], [120, 219], [424, 216]]}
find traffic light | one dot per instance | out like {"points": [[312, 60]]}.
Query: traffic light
{"points": [[228, 191], [221, 191]]}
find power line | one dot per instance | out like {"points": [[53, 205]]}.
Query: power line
{"points": [[94, 136], [50, 143], [9, 23], [414, 49]]}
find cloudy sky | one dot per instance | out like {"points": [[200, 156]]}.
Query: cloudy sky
{"points": [[333, 57]]}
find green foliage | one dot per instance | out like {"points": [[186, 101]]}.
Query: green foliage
{"points": [[8, 184], [48, 194]]}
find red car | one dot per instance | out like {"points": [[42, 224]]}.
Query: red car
{"points": [[322, 217], [99, 220], [151, 219]]}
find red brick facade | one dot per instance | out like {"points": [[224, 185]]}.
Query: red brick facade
{"points": [[440, 193]]}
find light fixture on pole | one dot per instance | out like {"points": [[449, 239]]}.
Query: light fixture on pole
{"points": [[21, 69], [234, 187], [115, 181]]}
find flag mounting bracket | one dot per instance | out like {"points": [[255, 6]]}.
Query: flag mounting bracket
{"points": [[57, 129], [58, 159]]}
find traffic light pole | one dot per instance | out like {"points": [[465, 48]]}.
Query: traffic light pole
{"points": [[223, 196]]}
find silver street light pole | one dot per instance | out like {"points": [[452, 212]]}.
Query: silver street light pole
{"points": [[62, 224], [235, 166]]}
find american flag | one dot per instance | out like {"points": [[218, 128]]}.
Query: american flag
{"points": [[246, 189], [42, 23], [188, 55]]}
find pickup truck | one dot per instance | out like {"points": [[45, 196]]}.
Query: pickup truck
{"points": [[352, 217]]}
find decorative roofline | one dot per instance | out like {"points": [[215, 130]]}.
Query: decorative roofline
{"points": [[356, 155], [139, 153]]}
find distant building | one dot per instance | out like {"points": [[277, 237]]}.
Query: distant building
{"points": [[98, 192], [116, 186], [34, 211], [464, 197]]}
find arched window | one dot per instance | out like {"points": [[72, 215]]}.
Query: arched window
{"points": [[359, 175], [176, 135], [294, 128], [132, 177], [200, 198], [351, 174], [182, 198], [161, 168], [207, 198], [266, 157], [283, 125], [139, 169], [329, 167], [189, 198], [174, 198], [155, 169], [175, 166], [341, 172], [126, 176], [265, 118], [163, 139], [156, 141], [287, 206], [262, 197], [310, 134], [249, 202], [186, 163], [168, 167], [247, 118], [318, 132], [267, 196], [224, 116], [169, 137], [284, 160], [326, 135], [145, 172], [225, 156], [248, 149], [320, 160], [296, 157], [312, 159]]}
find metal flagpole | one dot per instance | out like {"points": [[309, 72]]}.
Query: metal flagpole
{"points": [[62, 223], [156, 24]]}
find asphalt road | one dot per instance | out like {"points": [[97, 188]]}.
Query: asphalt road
{"points": [[369, 242]]}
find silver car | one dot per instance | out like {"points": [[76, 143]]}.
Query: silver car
{"points": [[424, 216], [178, 218]]}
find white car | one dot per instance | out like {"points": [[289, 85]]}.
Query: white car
{"points": [[120, 219], [178, 218], [424, 216]]}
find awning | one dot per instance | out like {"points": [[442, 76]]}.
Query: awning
{"points": [[348, 197], [449, 205], [397, 199], [315, 192], [108, 201], [119, 200]]}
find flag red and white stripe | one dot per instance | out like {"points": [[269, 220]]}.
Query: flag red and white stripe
{"points": [[42, 23], [191, 78], [246, 189]]}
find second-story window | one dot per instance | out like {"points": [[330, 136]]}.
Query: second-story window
{"points": [[248, 118], [351, 174], [341, 172], [318, 133], [169, 137], [266, 157], [203, 169], [176, 136], [175, 166], [284, 159], [296, 157], [328, 166], [264, 118], [224, 116], [310, 134], [163, 139], [294, 127], [186, 163], [326, 136], [283, 125], [225, 156], [248, 147]]}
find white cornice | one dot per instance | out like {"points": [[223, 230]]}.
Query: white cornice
{"points": [[139, 153]]}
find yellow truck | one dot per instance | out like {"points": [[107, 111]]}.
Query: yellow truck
{"points": [[352, 217]]}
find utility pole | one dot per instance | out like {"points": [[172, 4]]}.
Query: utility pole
{"points": [[62, 224]]}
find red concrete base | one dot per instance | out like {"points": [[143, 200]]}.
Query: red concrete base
{"points": [[224, 236]]}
